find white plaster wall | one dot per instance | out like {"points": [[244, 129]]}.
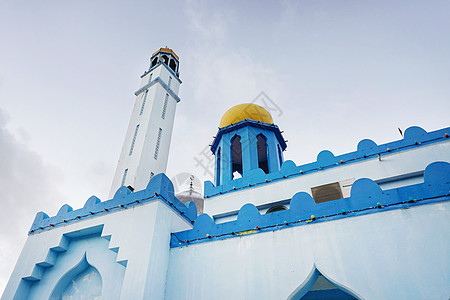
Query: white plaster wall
{"points": [[142, 234], [97, 255], [398, 254], [176, 82], [145, 80], [394, 164]]}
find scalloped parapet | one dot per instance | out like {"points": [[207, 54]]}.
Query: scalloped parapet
{"points": [[160, 187], [366, 149], [366, 197]]}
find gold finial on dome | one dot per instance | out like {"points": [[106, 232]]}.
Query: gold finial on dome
{"points": [[245, 111]]}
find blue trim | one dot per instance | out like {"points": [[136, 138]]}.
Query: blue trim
{"points": [[164, 85], [366, 198], [400, 177], [248, 122], [159, 188], [167, 67], [414, 137], [335, 294], [259, 207]]}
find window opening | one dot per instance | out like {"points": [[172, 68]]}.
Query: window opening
{"points": [[143, 102], [236, 156], [134, 139], [261, 145], [163, 115], [124, 177], [218, 167], [154, 62], [158, 141], [276, 208], [172, 65]]}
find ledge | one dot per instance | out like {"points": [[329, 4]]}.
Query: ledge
{"points": [[366, 198], [160, 187]]}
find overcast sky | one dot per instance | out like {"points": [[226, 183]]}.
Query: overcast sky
{"points": [[338, 71]]}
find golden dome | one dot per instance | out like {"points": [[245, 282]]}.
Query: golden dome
{"points": [[245, 111], [166, 50]]}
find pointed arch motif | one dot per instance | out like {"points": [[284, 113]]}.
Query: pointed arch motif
{"points": [[173, 65], [89, 286], [85, 253], [319, 286], [154, 62], [165, 59], [236, 155], [218, 166], [263, 155]]}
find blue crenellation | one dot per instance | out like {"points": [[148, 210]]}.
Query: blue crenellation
{"points": [[159, 187], [366, 197], [366, 149]]}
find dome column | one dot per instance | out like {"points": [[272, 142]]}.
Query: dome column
{"points": [[249, 151], [223, 161], [272, 153]]}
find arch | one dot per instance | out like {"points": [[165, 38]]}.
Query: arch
{"points": [[86, 251], [165, 59], [173, 65], [236, 155], [81, 282], [319, 286], [276, 208], [154, 62], [218, 158], [263, 159]]}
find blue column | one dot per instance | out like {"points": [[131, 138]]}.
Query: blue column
{"points": [[249, 149], [225, 164], [272, 152]]}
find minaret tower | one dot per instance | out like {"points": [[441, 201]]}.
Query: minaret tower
{"points": [[146, 146]]}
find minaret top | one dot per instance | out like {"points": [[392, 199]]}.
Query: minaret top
{"points": [[166, 50], [166, 56]]}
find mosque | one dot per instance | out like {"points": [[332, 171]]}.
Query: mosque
{"points": [[369, 224]]}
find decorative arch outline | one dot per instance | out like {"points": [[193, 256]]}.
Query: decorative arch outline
{"points": [[28, 284], [306, 286], [61, 286]]}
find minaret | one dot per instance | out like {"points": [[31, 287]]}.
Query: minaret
{"points": [[146, 146]]}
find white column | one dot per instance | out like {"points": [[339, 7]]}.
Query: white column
{"points": [[147, 142]]}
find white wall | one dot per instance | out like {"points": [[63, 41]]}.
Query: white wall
{"points": [[397, 254], [141, 233]]}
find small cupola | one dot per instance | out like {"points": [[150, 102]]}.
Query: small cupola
{"points": [[166, 56], [247, 139]]}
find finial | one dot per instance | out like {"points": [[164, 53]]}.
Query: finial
{"points": [[191, 185]]}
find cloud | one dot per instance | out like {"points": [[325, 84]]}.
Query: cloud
{"points": [[27, 185], [219, 73]]}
